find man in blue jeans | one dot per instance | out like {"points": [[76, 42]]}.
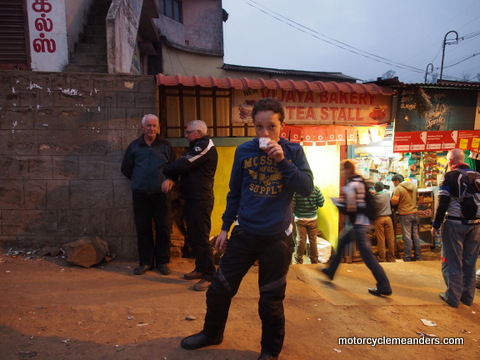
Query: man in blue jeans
{"points": [[354, 205], [266, 172], [460, 236], [405, 197]]}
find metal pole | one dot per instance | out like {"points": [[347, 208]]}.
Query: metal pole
{"points": [[426, 71], [443, 51]]}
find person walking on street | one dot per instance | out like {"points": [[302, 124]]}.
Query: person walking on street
{"points": [[197, 170], [143, 164], [266, 172], [354, 204], [405, 197], [461, 232], [306, 223], [383, 224]]}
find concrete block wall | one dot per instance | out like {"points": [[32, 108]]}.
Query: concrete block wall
{"points": [[62, 138]]}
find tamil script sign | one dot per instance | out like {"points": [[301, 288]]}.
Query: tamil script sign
{"points": [[48, 34]]}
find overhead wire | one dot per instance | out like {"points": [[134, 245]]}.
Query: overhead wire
{"points": [[329, 40], [344, 46], [461, 61]]}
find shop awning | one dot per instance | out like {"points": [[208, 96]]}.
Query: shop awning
{"points": [[273, 84]]}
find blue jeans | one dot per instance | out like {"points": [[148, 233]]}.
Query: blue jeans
{"points": [[359, 233], [461, 244], [409, 224]]}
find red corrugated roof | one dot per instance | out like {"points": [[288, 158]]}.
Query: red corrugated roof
{"points": [[273, 84]]}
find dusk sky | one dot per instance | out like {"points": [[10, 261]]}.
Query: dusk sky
{"points": [[360, 38]]}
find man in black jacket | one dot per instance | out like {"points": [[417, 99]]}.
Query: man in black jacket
{"points": [[460, 235], [143, 164], [197, 170]]}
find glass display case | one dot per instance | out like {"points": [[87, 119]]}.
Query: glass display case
{"points": [[426, 211]]}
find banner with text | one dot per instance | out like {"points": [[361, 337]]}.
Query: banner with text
{"points": [[415, 141], [312, 108], [333, 135]]}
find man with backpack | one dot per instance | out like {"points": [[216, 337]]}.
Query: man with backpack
{"points": [[359, 205], [459, 198]]}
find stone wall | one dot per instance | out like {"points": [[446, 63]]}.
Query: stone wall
{"points": [[62, 138]]}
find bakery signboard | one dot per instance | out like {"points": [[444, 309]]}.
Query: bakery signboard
{"points": [[317, 108]]}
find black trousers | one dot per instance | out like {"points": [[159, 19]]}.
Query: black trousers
{"points": [[198, 217], [153, 247], [274, 254]]}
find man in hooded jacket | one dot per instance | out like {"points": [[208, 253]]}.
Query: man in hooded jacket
{"points": [[405, 197]]}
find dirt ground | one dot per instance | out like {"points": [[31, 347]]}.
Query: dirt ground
{"points": [[50, 310]]}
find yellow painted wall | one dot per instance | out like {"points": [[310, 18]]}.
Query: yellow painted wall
{"points": [[324, 162], [220, 187]]}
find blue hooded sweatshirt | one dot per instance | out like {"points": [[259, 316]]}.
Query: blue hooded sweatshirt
{"points": [[261, 190]]}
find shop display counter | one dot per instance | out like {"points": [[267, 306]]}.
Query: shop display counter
{"points": [[426, 211]]}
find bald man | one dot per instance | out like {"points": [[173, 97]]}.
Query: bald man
{"points": [[461, 237]]}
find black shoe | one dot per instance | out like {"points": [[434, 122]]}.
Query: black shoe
{"points": [[198, 341], [141, 269], [265, 356], [193, 275], [163, 268], [327, 272], [376, 292], [468, 303], [202, 285], [443, 296]]}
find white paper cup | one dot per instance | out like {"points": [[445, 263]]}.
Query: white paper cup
{"points": [[263, 142]]}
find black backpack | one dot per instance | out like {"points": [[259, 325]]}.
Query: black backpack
{"points": [[371, 207], [469, 194], [371, 210]]}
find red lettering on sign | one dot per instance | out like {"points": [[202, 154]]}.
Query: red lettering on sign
{"points": [[344, 98], [354, 98], [43, 45], [290, 111], [309, 97], [290, 96], [265, 93], [310, 113], [43, 24], [300, 113], [324, 113], [41, 6]]}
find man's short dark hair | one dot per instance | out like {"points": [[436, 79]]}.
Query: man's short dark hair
{"points": [[379, 186], [397, 177], [269, 104]]}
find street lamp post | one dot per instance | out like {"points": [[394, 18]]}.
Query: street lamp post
{"points": [[430, 65], [443, 51]]}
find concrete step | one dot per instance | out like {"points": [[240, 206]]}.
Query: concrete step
{"points": [[98, 20], [89, 58], [94, 38], [94, 30], [86, 68], [91, 48]]}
